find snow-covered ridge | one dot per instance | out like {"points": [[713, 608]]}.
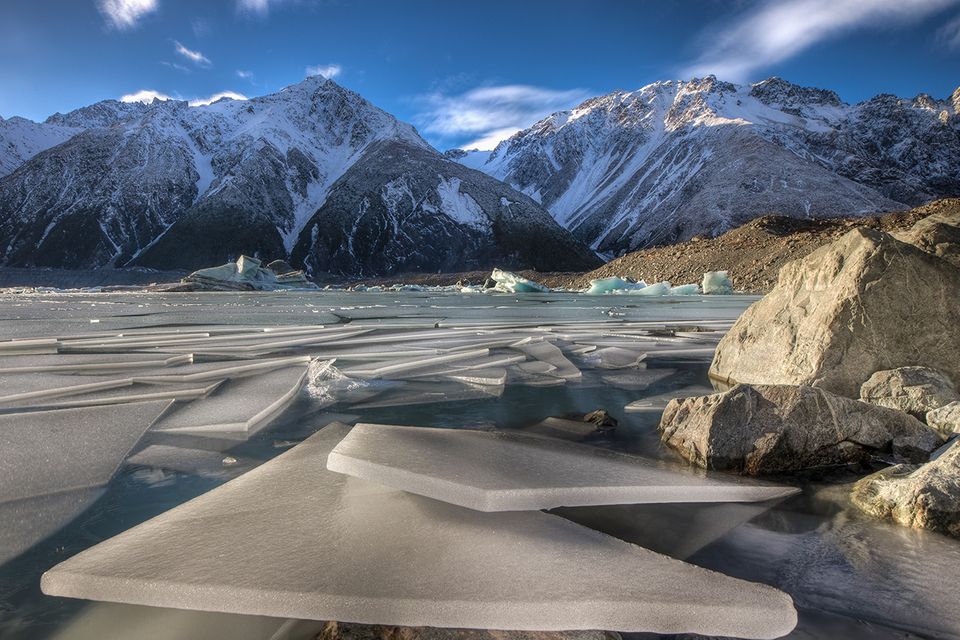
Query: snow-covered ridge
{"points": [[675, 159], [169, 184]]}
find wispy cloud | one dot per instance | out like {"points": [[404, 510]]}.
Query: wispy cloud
{"points": [[125, 14], [949, 34], [331, 70], [244, 75], [258, 7], [487, 115], [233, 95], [193, 56], [174, 65], [776, 30], [145, 96]]}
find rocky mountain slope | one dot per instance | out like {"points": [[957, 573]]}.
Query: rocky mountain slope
{"points": [[168, 185], [678, 159]]}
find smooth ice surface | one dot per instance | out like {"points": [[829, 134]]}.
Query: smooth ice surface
{"points": [[551, 354], [195, 461], [26, 522], [717, 282], [49, 451], [238, 405], [495, 471], [366, 553]]}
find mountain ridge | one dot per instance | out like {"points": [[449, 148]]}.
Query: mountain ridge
{"points": [[675, 159]]}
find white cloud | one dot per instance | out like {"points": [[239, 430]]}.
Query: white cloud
{"points": [[124, 14], [488, 115], [779, 29], [326, 70], [193, 56], [245, 75], [233, 95], [145, 96], [949, 34]]}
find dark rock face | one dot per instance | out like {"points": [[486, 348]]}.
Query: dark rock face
{"points": [[758, 429], [402, 208], [167, 185]]}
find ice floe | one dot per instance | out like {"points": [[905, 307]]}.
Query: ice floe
{"points": [[490, 471], [367, 553]]}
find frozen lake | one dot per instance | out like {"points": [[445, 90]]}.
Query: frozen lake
{"points": [[238, 369]]}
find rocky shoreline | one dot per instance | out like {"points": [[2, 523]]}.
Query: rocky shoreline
{"points": [[853, 356]]}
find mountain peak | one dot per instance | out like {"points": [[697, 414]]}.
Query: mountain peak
{"points": [[777, 91]]}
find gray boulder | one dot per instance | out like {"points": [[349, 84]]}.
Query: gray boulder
{"points": [[939, 233], [864, 303], [915, 390], [922, 496], [946, 419], [774, 428]]}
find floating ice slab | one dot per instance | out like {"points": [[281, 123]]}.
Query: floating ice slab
{"points": [[27, 522], [496, 471], [238, 405], [311, 532], [551, 354], [563, 428], [44, 452]]}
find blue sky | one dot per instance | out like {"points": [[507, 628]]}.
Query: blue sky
{"points": [[464, 73]]}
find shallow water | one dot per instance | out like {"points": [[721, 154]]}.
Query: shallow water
{"points": [[850, 576]]}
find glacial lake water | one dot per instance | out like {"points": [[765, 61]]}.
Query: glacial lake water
{"points": [[850, 576]]}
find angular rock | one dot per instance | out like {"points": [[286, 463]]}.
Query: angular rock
{"points": [[946, 419], [838, 315], [939, 233], [774, 428], [921, 496], [914, 390]]}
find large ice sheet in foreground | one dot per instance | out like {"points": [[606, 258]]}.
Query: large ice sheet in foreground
{"points": [[291, 539], [496, 471]]}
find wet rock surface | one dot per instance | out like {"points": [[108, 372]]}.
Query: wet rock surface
{"points": [[923, 496], [777, 428]]}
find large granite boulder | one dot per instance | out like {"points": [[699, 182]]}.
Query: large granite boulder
{"points": [[923, 496], [775, 428], [946, 419], [915, 390], [939, 233], [864, 303]]}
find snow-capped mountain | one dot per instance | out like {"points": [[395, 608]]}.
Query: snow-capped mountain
{"points": [[171, 185], [677, 159]]}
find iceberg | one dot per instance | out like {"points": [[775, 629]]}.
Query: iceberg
{"points": [[497, 471], [685, 290], [312, 531], [248, 274], [717, 283], [512, 283], [612, 285]]}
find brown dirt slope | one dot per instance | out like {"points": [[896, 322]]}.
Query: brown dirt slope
{"points": [[752, 253]]}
